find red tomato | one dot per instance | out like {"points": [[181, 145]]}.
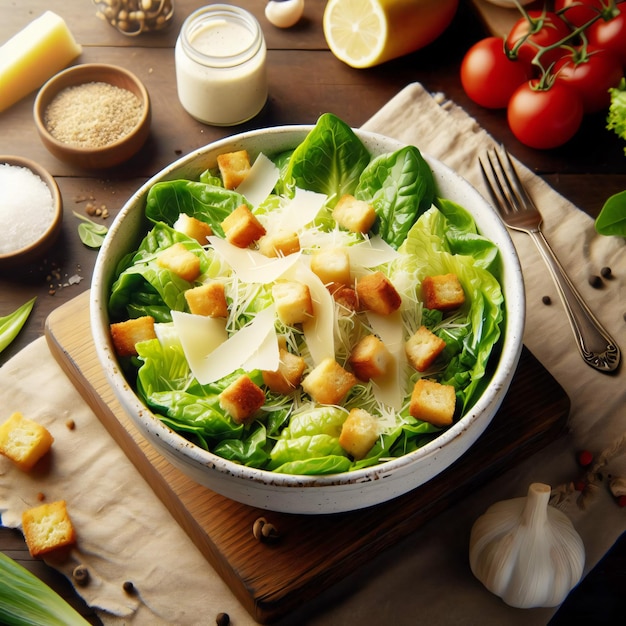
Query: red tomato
{"points": [[591, 74], [610, 35], [488, 76], [545, 29], [544, 119], [578, 12]]}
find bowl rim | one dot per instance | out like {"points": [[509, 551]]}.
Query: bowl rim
{"points": [[90, 72], [57, 199], [178, 446]]}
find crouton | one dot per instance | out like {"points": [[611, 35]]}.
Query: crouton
{"points": [[331, 265], [24, 441], [358, 433], [208, 299], [234, 167], [288, 375], [345, 297], [48, 528], [180, 261], [443, 292], [377, 294], [423, 347], [433, 402], [194, 228], [242, 399], [355, 215], [328, 383], [126, 335], [242, 228], [293, 301], [279, 244], [370, 358]]}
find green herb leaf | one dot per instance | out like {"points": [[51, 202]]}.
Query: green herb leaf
{"points": [[616, 118], [11, 324], [24, 599], [612, 217], [91, 233]]}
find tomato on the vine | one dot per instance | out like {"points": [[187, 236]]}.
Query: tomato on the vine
{"points": [[591, 72], [488, 76], [610, 35], [578, 12], [544, 118], [544, 29]]}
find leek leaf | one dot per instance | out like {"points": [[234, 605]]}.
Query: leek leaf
{"points": [[11, 324], [24, 599]]}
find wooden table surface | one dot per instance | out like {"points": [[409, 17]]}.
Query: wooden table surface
{"points": [[305, 80]]}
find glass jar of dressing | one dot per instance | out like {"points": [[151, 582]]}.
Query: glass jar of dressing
{"points": [[220, 65]]}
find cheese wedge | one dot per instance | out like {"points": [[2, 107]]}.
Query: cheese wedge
{"points": [[33, 55]]}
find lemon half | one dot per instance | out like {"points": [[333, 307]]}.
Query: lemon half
{"points": [[363, 33]]}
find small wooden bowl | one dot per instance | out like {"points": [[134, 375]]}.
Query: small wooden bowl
{"points": [[111, 154], [36, 249]]}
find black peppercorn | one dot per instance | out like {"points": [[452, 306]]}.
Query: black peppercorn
{"points": [[606, 272], [595, 281], [128, 587], [222, 619], [546, 300]]}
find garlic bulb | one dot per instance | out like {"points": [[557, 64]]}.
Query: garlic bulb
{"points": [[527, 552]]}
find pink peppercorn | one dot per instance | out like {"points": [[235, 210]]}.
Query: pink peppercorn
{"points": [[585, 458]]}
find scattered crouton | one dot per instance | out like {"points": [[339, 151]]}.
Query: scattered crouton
{"points": [[355, 215], [126, 335], [443, 292], [370, 358], [331, 265], [328, 382], [279, 244], [289, 374], [242, 399], [242, 228], [48, 528], [345, 297], [208, 299], [423, 347], [24, 441], [376, 293], [234, 167], [180, 261], [194, 228], [433, 402], [293, 301], [358, 433]]}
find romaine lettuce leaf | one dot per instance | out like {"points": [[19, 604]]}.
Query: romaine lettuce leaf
{"points": [[330, 159]]}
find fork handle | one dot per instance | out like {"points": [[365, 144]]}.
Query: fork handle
{"points": [[594, 343]]}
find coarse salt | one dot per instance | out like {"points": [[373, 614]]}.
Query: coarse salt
{"points": [[26, 207]]}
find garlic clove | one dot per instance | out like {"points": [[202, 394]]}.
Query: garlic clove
{"points": [[284, 13], [527, 552]]}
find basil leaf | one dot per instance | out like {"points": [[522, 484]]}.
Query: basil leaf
{"points": [[11, 324], [612, 217], [91, 233]]}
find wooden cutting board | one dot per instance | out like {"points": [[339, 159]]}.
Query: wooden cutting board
{"points": [[314, 552]]}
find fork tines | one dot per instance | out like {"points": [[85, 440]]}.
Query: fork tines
{"points": [[503, 182]]}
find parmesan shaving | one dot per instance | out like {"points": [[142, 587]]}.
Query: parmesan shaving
{"points": [[388, 389], [301, 210], [214, 355], [251, 266], [260, 181], [319, 330]]}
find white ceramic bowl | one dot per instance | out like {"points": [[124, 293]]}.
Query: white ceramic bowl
{"points": [[308, 494]]}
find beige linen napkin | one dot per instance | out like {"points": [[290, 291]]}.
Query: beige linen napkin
{"points": [[126, 534]]}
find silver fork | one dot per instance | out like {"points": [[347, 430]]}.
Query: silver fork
{"points": [[519, 212]]}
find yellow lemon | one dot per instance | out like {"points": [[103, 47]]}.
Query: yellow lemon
{"points": [[364, 33]]}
